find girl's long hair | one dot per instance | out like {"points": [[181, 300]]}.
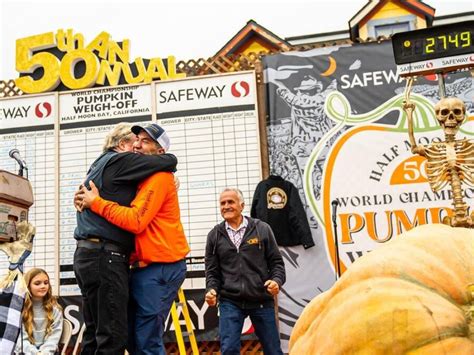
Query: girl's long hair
{"points": [[49, 302]]}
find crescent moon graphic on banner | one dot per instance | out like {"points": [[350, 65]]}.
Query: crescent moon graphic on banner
{"points": [[332, 67]]}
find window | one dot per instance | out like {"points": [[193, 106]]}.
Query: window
{"points": [[391, 25], [390, 29]]}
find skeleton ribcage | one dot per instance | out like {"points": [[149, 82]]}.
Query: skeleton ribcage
{"points": [[465, 161], [438, 167]]}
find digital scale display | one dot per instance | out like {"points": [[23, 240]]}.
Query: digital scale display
{"points": [[434, 42], [439, 49]]}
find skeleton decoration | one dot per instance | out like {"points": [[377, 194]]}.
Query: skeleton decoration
{"points": [[449, 162], [17, 252]]}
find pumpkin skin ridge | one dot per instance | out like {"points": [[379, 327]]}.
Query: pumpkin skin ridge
{"points": [[413, 248], [444, 347], [412, 275], [443, 336], [465, 334], [446, 248], [349, 291], [312, 307], [412, 281], [315, 328]]}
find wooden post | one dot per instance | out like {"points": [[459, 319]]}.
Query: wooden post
{"points": [[262, 118]]}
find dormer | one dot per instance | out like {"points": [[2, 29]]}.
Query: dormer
{"points": [[253, 38], [386, 17]]}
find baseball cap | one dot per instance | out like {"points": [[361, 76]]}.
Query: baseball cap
{"points": [[157, 133]]}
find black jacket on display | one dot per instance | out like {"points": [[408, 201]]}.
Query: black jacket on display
{"points": [[277, 202], [239, 275]]}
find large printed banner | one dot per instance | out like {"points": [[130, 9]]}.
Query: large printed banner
{"points": [[338, 132]]}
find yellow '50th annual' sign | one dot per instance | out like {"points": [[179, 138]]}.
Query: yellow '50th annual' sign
{"points": [[103, 59]]}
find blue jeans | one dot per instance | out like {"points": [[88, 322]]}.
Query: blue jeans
{"points": [[231, 321], [152, 292]]}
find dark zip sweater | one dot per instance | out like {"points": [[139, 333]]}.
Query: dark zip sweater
{"points": [[239, 275]]}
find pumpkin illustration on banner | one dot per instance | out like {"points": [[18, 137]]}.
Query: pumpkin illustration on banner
{"points": [[413, 295], [382, 189]]}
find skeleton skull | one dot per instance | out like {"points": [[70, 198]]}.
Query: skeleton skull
{"points": [[450, 113]]}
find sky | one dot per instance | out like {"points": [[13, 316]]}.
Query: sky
{"points": [[185, 29]]}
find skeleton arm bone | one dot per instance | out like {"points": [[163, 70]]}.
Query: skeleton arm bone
{"points": [[409, 107]]}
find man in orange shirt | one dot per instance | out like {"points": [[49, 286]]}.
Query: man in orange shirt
{"points": [[158, 262]]}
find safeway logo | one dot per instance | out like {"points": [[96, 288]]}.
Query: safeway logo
{"points": [[43, 109], [240, 89]]}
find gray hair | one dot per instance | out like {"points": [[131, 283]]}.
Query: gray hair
{"points": [[239, 193], [121, 132]]}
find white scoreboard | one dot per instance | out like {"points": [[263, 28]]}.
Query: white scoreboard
{"points": [[213, 125]]}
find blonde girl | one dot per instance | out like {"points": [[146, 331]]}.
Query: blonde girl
{"points": [[42, 316]]}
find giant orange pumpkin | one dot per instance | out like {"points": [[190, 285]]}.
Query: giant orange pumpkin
{"points": [[413, 295]]}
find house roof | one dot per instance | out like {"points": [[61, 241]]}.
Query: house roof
{"points": [[252, 30]]}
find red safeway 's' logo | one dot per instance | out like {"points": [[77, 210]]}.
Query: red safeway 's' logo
{"points": [[43, 109], [240, 89], [433, 77]]}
